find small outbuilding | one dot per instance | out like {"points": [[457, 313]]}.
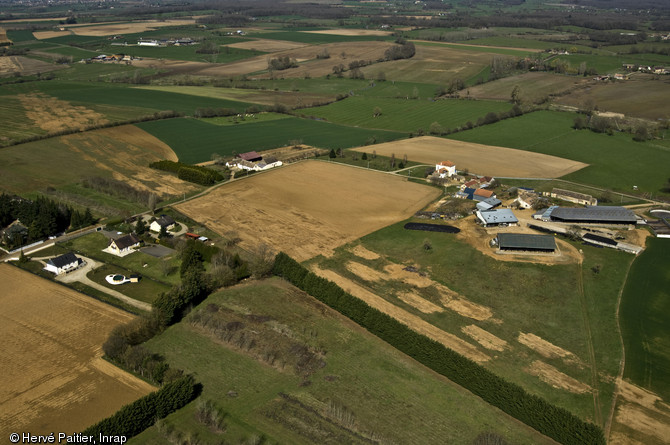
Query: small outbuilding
{"points": [[526, 242], [62, 264]]}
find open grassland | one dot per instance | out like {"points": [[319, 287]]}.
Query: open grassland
{"points": [[534, 87], [53, 374], [146, 289], [525, 322], [616, 162], [288, 208], [123, 153], [434, 65], [358, 378], [405, 115], [501, 50], [645, 319], [25, 66], [263, 97], [480, 159], [604, 64], [641, 96], [179, 135], [20, 35], [308, 63], [188, 53]]}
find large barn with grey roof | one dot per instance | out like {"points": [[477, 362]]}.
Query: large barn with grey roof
{"points": [[526, 242], [592, 215]]}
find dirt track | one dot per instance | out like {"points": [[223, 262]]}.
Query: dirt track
{"points": [[53, 375], [309, 208], [481, 159]]}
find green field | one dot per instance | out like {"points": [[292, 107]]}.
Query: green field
{"points": [[405, 115], [224, 140], [146, 290], [616, 162], [645, 317], [530, 298], [364, 390]]}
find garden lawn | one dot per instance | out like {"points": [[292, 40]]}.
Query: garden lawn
{"points": [[146, 289]]}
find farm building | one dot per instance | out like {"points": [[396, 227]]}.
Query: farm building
{"points": [[488, 204], [482, 194], [599, 240], [445, 169], [253, 161], [500, 217], [123, 246], [466, 193], [526, 199], [526, 242], [164, 221], [590, 215], [62, 264], [570, 196]]}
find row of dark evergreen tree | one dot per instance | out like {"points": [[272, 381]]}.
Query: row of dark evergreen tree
{"points": [[191, 173], [534, 411]]}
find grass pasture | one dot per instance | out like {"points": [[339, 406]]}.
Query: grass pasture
{"points": [[362, 377], [405, 115], [295, 215], [534, 87], [54, 377], [642, 96], [224, 140], [616, 162], [146, 290]]}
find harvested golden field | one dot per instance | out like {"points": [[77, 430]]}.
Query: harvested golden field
{"points": [[3, 36], [110, 29], [121, 152], [52, 115], [643, 96], [268, 46], [481, 159], [352, 32], [313, 66], [309, 208], [42, 35], [641, 417], [52, 373], [533, 86], [25, 66]]}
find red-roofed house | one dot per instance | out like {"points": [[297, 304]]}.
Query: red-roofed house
{"points": [[483, 193], [445, 169]]}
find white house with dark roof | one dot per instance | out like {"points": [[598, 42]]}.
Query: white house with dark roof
{"points": [[163, 221], [62, 264], [123, 246]]}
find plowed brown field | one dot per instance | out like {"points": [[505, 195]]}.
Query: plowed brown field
{"points": [[52, 376], [481, 159], [309, 208]]}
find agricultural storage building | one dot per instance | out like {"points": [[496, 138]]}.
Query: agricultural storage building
{"points": [[593, 215], [526, 242], [599, 240], [62, 264], [578, 198], [250, 156], [488, 204], [482, 194], [504, 217]]}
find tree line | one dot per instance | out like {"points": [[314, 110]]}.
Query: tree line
{"points": [[187, 172], [553, 421]]}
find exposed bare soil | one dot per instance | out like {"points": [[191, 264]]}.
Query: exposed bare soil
{"points": [[25, 66], [308, 208], [52, 115], [41, 35], [53, 376], [485, 338], [547, 349], [414, 322], [556, 378], [268, 46], [481, 159]]}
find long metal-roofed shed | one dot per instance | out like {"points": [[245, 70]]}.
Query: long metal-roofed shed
{"points": [[496, 217], [526, 242], [594, 215]]}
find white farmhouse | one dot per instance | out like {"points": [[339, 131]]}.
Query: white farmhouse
{"points": [[164, 221], [445, 169], [62, 264]]}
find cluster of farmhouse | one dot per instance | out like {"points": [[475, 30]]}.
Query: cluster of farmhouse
{"points": [[632, 67], [553, 219], [252, 161]]}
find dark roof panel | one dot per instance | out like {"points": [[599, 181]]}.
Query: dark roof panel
{"points": [[594, 214], [63, 260], [526, 241]]}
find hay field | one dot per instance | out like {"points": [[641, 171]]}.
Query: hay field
{"points": [[352, 32], [43, 35], [266, 45], [534, 86], [52, 373], [3, 36], [477, 158], [432, 64], [110, 29], [641, 96], [121, 152], [312, 66], [309, 208]]}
